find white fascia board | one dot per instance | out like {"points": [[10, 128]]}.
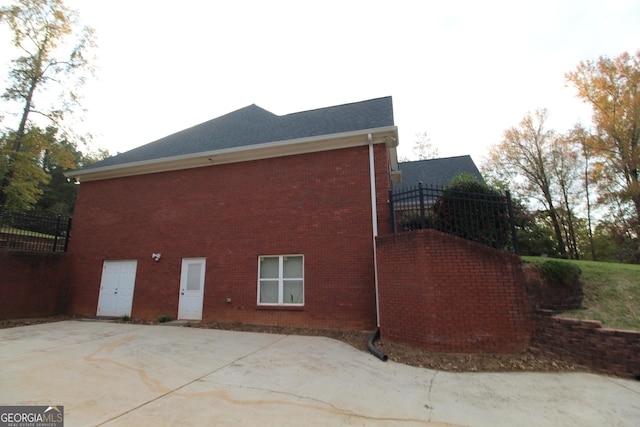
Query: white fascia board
{"points": [[387, 135]]}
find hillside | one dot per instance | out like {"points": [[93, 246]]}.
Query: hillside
{"points": [[611, 293]]}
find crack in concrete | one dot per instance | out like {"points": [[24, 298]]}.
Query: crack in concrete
{"points": [[328, 407], [623, 386], [154, 385], [222, 395], [429, 406], [285, 393], [170, 391]]}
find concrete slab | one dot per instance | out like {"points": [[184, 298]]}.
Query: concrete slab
{"points": [[110, 374]]}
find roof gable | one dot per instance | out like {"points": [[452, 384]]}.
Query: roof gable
{"points": [[436, 172], [253, 125]]}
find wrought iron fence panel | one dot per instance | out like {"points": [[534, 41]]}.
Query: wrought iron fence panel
{"points": [[486, 218], [34, 231]]}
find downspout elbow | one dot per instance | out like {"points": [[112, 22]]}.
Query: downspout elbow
{"points": [[372, 348]]}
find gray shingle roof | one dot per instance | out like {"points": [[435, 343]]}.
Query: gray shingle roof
{"points": [[254, 125], [436, 172]]}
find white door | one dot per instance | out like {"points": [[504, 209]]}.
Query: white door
{"points": [[116, 288], [191, 288]]}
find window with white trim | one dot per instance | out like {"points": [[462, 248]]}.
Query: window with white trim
{"points": [[281, 280]]}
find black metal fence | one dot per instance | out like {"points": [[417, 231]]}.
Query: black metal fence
{"points": [[486, 218], [34, 231]]}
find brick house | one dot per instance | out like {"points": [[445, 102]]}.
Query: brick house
{"points": [[249, 217]]}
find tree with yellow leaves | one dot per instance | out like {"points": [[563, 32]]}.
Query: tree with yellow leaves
{"points": [[52, 57], [526, 157], [612, 88]]}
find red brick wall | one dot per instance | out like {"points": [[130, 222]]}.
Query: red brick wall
{"points": [[318, 205], [587, 343], [446, 294], [33, 284]]}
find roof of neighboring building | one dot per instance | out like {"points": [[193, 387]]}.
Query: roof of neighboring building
{"points": [[253, 125], [436, 172]]}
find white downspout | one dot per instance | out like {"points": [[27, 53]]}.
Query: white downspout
{"points": [[374, 218]]}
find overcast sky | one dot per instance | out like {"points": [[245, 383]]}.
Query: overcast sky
{"points": [[462, 71]]}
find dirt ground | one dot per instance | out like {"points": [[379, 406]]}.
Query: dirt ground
{"points": [[525, 361]]}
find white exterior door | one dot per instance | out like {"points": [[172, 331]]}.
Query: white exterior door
{"points": [[191, 288], [116, 288]]}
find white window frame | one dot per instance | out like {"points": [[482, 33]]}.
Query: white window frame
{"points": [[281, 279]]}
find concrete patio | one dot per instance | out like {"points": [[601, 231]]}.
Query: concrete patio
{"points": [[108, 374]]}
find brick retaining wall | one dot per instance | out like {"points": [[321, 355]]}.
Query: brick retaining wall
{"points": [[443, 293], [587, 343], [33, 284]]}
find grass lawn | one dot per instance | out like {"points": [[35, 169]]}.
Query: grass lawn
{"points": [[611, 293], [9, 230]]}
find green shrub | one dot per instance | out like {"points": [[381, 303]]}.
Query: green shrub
{"points": [[474, 211], [560, 273], [164, 319]]}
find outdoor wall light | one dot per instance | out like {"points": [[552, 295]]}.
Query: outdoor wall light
{"points": [[156, 256]]}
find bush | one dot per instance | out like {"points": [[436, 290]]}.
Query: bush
{"points": [[560, 273], [474, 211], [558, 286]]}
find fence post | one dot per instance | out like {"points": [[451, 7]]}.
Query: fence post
{"points": [[392, 212], [514, 236], [66, 239], [55, 239], [423, 222]]}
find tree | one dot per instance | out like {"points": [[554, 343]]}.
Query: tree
{"points": [[534, 231], [581, 137], [612, 87], [527, 151], [565, 167], [613, 243], [422, 149], [53, 53], [59, 194]]}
